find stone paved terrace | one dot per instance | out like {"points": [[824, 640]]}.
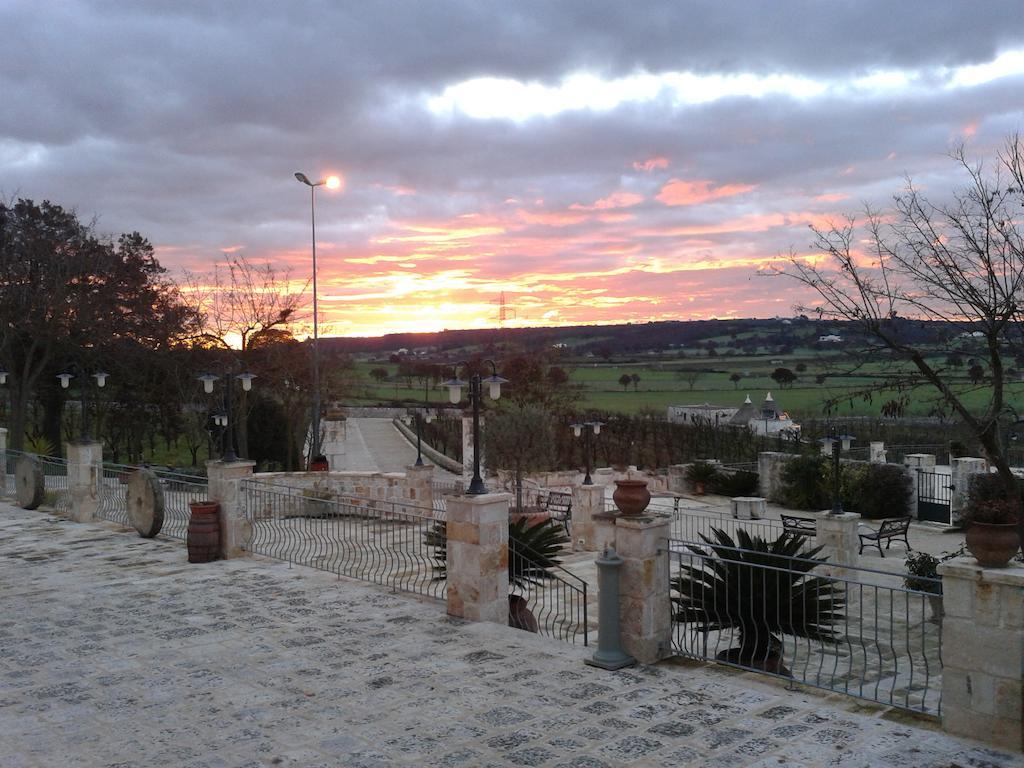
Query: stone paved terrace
{"points": [[117, 652]]}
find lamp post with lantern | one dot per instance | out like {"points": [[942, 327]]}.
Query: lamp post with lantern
{"points": [[586, 429], [476, 382], [832, 445], [99, 377], [331, 182], [416, 417], [225, 419]]}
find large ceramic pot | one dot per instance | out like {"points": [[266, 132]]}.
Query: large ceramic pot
{"points": [[992, 545], [631, 496]]}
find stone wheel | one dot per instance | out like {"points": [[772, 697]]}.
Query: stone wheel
{"points": [[144, 499], [28, 482]]}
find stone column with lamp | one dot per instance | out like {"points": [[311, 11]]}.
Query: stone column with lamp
{"points": [[472, 452], [225, 487], [836, 529], [477, 556]]}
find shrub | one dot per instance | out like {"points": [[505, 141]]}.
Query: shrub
{"points": [[702, 472], [735, 483], [988, 487], [920, 568], [992, 512], [876, 491], [803, 483]]}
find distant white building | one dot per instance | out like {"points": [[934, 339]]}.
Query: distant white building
{"points": [[830, 338], [769, 419], [715, 415]]}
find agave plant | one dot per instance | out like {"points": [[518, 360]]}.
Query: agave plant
{"points": [[762, 590], [533, 551]]}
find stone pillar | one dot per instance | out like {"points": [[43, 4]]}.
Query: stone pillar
{"points": [[587, 501], [225, 479], [419, 489], [983, 652], [961, 483], [645, 610], [604, 531], [677, 478], [838, 535], [478, 557], [468, 447], [85, 472], [876, 453], [925, 461]]}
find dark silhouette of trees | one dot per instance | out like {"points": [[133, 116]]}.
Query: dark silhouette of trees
{"points": [[735, 378], [624, 381], [783, 377]]}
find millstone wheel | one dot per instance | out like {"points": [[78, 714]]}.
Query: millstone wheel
{"points": [[145, 501], [28, 482]]}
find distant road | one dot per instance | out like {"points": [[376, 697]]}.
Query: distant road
{"points": [[374, 445]]}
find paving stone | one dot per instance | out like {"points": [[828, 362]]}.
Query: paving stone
{"points": [[117, 652]]}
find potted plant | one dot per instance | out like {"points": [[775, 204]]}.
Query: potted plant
{"points": [[761, 590], [923, 576], [700, 474], [992, 531]]}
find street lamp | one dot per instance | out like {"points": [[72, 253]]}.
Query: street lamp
{"points": [[224, 419], [455, 385], [833, 444], [331, 182], [415, 417], [586, 429], [65, 378]]}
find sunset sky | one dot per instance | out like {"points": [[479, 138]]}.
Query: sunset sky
{"points": [[595, 161]]}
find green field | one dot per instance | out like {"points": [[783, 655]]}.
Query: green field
{"points": [[662, 383]]}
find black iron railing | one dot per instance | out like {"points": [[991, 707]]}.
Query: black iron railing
{"points": [[852, 630], [546, 598], [383, 542]]}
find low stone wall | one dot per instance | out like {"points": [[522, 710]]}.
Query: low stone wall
{"points": [[445, 462], [412, 487]]}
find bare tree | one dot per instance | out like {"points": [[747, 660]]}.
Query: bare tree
{"points": [[241, 303], [691, 376], [960, 262]]}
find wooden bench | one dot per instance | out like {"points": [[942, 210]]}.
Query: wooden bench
{"points": [[558, 504], [799, 526], [895, 528]]}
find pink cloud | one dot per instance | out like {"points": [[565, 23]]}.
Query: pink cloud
{"points": [[620, 199], [831, 197], [650, 164], [679, 192]]}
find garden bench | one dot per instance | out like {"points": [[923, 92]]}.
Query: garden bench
{"points": [[799, 526], [558, 504], [895, 528]]}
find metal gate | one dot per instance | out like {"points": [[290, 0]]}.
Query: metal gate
{"points": [[934, 493]]}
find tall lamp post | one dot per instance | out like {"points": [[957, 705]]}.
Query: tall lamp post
{"points": [[832, 444], [65, 381], [416, 417], [455, 385], [586, 429], [224, 420], [331, 182]]}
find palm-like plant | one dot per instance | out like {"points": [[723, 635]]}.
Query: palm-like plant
{"points": [[533, 551], [762, 590]]}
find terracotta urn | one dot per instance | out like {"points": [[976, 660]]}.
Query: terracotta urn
{"points": [[992, 544], [631, 496]]}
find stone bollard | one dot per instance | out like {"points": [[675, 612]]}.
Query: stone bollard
{"points": [[85, 473], [876, 453], [225, 487], [645, 609], [587, 501], [983, 652], [749, 507], [961, 484], [609, 654], [838, 535], [477, 557]]}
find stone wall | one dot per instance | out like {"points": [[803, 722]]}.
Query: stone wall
{"points": [[412, 486]]}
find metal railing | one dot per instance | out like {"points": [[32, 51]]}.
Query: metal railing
{"points": [[55, 483], [394, 544], [10, 459], [440, 489], [855, 631], [178, 490], [544, 597]]}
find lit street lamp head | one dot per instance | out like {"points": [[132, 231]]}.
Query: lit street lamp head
{"points": [[304, 179]]}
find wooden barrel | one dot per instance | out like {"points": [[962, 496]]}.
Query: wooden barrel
{"points": [[203, 533]]}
